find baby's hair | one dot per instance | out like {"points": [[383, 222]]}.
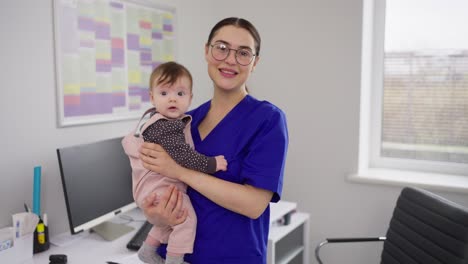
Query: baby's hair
{"points": [[169, 73]]}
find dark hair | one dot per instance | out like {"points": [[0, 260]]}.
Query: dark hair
{"points": [[169, 73], [241, 23]]}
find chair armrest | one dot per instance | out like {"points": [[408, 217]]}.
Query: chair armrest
{"points": [[344, 240]]}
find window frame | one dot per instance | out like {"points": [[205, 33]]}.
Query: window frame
{"points": [[371, 167]]}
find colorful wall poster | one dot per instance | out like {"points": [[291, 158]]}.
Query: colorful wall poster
{"points": [[105, 51]]}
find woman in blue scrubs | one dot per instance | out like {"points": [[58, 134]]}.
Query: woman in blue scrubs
{"points": [[232, 206]]}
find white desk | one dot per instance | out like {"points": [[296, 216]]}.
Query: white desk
{"points": [[92, 248], [288, 244]]}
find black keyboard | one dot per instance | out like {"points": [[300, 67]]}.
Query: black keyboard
{"points": [[140, 236]]}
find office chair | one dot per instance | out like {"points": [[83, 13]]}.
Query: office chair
{"points": [[424, 229]]}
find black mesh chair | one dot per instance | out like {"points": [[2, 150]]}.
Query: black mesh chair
{"points": [[425, 229]]}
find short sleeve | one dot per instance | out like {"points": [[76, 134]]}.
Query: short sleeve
{"points": [[263, 167]]}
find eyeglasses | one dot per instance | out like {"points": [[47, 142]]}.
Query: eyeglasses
{"points": [[220, 52]]}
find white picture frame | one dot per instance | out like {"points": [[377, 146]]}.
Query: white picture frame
{"points": [[105, 51]]}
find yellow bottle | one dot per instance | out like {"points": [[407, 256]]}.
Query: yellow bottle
{"points": [[40, 233]]}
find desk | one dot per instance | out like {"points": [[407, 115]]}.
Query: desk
{"points": [[93, 249], [287, 244]]}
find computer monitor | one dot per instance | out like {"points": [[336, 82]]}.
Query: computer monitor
{"points": [[97, 185]]}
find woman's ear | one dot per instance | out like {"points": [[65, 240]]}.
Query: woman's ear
{"points": [[207, 50], [257, 58]]}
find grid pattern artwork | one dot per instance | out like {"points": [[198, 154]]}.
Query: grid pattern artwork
{"points": [[105, 52]]}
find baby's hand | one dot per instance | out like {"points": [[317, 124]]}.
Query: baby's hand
{"points": [[221, 163]]}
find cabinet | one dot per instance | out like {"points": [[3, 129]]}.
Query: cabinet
{"points": [[288, 240]]}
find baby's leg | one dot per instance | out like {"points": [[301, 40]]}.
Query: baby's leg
{"points": [[174, 259], [147, 252], [182, 237]]}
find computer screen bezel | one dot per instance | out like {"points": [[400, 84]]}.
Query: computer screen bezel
{"points": [[76, 228]]}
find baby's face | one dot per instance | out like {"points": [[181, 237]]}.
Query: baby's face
{"points": [[172, 101]]}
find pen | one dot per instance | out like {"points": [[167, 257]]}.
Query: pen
{"points": [[111, 262], [26, 207]]}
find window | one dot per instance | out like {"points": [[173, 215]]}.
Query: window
{"points": [[414, 94]]}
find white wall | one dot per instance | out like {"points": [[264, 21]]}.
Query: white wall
{"points": [[309, 66]]}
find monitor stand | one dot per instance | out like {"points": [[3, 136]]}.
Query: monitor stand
{"points": [[110, 231]]}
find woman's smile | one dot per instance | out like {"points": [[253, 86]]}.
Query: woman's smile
{"points": [[228, 73]]}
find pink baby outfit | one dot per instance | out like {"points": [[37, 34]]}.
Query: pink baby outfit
{"points": [[179, 238]]}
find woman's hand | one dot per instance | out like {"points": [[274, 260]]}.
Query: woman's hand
{"points": [[166, 210], [156, 159]]}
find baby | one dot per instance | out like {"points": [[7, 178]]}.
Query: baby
{"points": [[168, 126]]}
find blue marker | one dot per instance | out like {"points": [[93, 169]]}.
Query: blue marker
{"points": [[37, 191]]}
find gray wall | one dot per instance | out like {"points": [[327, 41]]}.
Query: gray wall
{"points": [[310, 67]]}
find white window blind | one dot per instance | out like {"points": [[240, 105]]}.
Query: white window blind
{"points": [[425, 105], [414, 93]]}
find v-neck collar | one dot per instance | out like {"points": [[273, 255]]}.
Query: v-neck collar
{"points": [[204, 111]]}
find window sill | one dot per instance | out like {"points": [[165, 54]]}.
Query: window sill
{"points": [[442, 182]]}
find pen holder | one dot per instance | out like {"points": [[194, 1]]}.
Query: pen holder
{"points": [[41, 238]]}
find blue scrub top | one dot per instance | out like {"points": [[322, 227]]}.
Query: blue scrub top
{"points": [[253, 137]]}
